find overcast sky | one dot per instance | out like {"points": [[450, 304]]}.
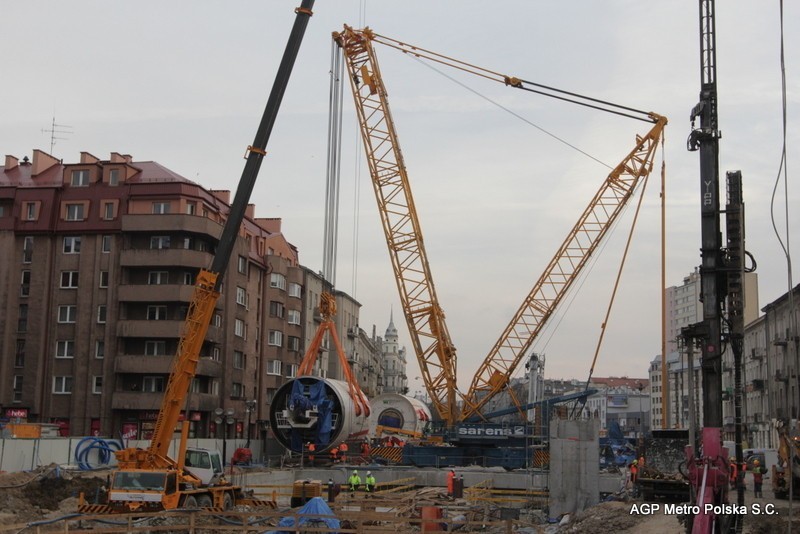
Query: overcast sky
{"points": [[185, 83]]}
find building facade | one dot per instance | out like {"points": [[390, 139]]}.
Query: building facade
{"points": [[394, 362], [98, 277]]}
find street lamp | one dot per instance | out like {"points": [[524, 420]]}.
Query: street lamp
{"points": [[224, 422], [250, 408]]}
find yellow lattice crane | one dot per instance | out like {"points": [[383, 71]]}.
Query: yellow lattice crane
{"points": [[425, 318]]}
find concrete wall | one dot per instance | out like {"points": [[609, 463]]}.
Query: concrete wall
{"points": [[26, 454], [574, 460]]}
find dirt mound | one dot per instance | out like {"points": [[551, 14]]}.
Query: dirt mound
{"points": [[34, 495], [611, 516]]}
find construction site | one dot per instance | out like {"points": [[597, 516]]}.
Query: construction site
{"points": [[493, 456]]}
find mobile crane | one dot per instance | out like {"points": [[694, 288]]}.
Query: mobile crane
{"points": [[424, 315], [148, 480]]}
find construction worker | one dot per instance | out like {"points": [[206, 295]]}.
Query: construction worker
{"points": [[734, 473], [334, 454], [365, 449], [451, 477], [354, 481], [370, 482], [634, 471], [758, 478], [343, 452], [311, 449]]}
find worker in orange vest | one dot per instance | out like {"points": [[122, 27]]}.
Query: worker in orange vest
{"points": [[451, 476], [343, 452], [634, 471], [365, 448], [311, 449], [734, 473], [335, 454]]}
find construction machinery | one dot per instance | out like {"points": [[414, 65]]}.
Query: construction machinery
{"points": [[722, 328], [148, 480], [424, 315], [788, 464]]}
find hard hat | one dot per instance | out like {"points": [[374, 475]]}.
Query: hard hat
{"points": [[756, 462], [369, 472], [635, 462], [355, 472]]}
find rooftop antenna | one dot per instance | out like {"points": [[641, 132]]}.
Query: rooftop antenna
{"points": [[56, 129]]}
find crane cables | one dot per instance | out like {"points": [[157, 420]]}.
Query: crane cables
{"points": [[545, 90]]}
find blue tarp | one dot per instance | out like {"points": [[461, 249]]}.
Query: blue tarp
{"points": [[315, 507]]}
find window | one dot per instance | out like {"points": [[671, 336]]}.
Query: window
{"points": [[153, 384], [67, 313], [25, 284], [276, 309], [62, 385], [155, 348], [159, 242], [30, 211], [217, 320], [277, 280], [160, 207], [275, 338], [242, 265], [241, 297], [72, 245], [156, 313], [74, 212], [215, 354], [80, 178], [22, 321], [19, 355], [17, 388], [291, 370], [102, 312], [103, 278], [293, 343], [237, 391], [295, 290], [238, 359], [69, 279], [188, 279], [113, 177], [27, 249], [97, 385], [293, 316], [188, 243], [99, 349], [191, 208], [108, 210], [105, 247], [214, 386], [274, 367], [240, 329], [65, 349], [158, 277]]}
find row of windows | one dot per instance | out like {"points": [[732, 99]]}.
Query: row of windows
{"points": [[274, 368]]}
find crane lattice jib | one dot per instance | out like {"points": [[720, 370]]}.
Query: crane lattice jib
{"points": [[424, 316], [495, 371]]}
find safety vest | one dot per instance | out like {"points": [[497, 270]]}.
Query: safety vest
{"points": [[370, 482], [354, 481]]}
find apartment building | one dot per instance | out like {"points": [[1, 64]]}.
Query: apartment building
{"points": [[97, 278]]}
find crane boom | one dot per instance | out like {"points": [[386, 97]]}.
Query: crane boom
{"points": [[426, 323], [495, 371], [208, 281], [424, 315]]}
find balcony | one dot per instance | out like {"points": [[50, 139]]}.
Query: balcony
{"points": [[137, 400], [165, 257], [161, 329], [139, 364], [171, 222], [155, 293]]}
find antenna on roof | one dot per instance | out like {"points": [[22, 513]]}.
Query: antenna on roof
{"points": [[55, 129]]}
